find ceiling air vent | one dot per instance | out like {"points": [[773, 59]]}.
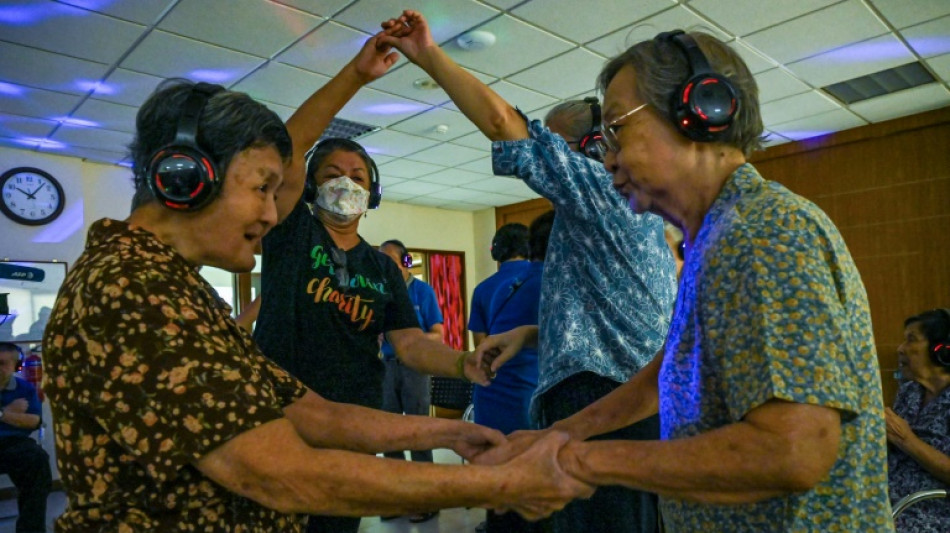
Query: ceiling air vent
{"points": [[880, 83], [347, 129]]}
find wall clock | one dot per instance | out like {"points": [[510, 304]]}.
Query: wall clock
{"points": [[31, 196]]}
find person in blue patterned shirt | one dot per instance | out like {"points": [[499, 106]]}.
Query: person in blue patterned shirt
{"points": [[609, 278], [768, 386]]}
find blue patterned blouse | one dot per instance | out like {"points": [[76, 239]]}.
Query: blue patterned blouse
{"points": [[609, 278], [931, 424], [771, 306]]}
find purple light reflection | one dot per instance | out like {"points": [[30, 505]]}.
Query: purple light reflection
{"points": [[82, 123], [21, 15], [870, 51], [61, 229], [395, 109], [96, 87], [210, 76], [10, 89]]}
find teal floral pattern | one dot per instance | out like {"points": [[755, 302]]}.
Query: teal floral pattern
{"points": [[771, 306], [147, 372]]}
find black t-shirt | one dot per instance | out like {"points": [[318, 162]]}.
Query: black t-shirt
{"points": [[325, 336]]}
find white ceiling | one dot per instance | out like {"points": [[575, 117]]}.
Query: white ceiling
{"points": [[72, 72]]}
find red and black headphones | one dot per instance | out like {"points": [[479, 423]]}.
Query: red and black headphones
{"points": [[592, 142], [181, 175], [705, 104], [940, 350]]}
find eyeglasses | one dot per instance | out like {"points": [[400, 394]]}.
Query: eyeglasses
{"points": [[342, 275], [611, 129]]}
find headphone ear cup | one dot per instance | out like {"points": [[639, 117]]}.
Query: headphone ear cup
{"points": [[407, 260], [182, 177], [592, 145], [375, 195], [941, 354], [309, 190], [704, 107]]}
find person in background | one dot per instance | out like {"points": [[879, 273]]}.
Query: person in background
{"points": [[509, 247], [918, 426], [167, 415], [21, 457], [327, 294], [609, 280], [406, 391], [505, 405], [768, 385]]}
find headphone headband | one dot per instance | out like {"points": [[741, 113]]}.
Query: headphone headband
{"points": [[591, 144]]}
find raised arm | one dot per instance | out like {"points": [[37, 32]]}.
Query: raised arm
{"points": [[495, 117], [307, 124]]}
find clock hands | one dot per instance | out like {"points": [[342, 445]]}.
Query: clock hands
{"points": [[28, 195]]}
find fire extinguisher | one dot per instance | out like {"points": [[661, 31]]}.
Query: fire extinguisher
{"points": [[33, 372]]}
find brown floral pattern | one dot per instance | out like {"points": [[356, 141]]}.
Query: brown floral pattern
{"points": [[147, 372]]}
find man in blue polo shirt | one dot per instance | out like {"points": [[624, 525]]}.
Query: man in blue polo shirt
{"points": [[509, 247], [404, 389], [21, 457]]}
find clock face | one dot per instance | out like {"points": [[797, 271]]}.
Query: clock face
{"points": [[30, 196]]}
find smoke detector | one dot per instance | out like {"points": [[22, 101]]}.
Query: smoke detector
{"points": [[476, 40]]}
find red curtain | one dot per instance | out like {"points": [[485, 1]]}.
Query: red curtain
{"points": [[445, 276]]}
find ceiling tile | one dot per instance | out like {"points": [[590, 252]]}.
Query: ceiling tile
{"points": [[447, 154], [584, 22], [818, 32], [167, 55], [284, 112], [482, 165], [476, 140], [24, 101], [677, 18], [495, 199], [532, 44], [902, 13], [142, 11], [427, 124], [91, 154], [583, 65], [940, 65], [930, 38], [282, 84], [323, 8], [498, 184], [126, 87], [99, 114], [817, 125], [776, 84], [456, 194], [452, 177], [394, 143], [903, 103], [326, 50], [100, 139], [795, 107], [45, 70], [402, 80], [404, 168], [68, 30], [380, 109], [446, 18], [22, 127], [853, 61], [275, 26], [416, 187], [503, 4], [754, 60], [742, 17]]}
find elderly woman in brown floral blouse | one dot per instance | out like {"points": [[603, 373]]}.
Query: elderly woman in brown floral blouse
{"points": [[168, 417]]}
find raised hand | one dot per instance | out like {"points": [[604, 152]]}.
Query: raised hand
{"points": [[409, 33], [497, 349], [375, 58]]}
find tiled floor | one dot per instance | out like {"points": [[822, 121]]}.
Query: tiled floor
{"points": [[447, 521]]}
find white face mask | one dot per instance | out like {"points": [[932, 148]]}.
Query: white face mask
{"points": [[342, 198]]}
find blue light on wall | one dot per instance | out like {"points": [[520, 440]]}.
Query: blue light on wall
{"points": [[61, 229]]}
